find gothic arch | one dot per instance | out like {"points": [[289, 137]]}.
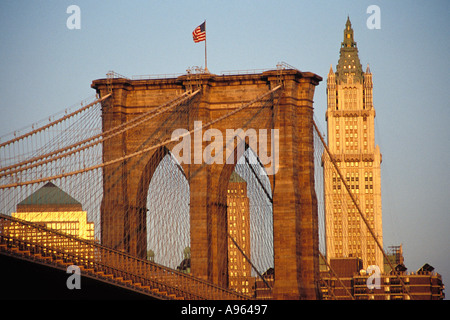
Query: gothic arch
{"points": [[149, 194]]}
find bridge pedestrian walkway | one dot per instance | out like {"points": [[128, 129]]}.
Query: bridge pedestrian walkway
{"points": [[42, 245]]}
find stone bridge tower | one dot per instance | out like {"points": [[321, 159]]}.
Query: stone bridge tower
{"points": [[295, 225]]}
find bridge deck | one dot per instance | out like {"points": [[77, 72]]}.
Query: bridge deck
{"points": [[45, 246]]}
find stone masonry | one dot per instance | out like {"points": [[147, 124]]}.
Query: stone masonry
{"points": [[295, 224]]}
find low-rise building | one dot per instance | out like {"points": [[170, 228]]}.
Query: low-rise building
{"points": [[52, 208], [345, 279]]}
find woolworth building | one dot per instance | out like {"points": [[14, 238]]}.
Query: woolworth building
{"points": [[351, 140]]}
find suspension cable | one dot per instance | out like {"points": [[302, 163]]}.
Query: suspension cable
{"points": [[54, 122], [137, 153], [81, 145], [343, 180]]}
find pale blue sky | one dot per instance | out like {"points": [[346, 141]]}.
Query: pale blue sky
{"points": [[45, 68]]}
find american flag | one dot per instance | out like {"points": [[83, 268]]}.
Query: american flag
{"points": [[199, 34]]}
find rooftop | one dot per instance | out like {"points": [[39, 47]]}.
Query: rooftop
{"points": [[48, 196], [236, 177]]}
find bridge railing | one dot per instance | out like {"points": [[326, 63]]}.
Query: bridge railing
{"points": [[57, 247]]}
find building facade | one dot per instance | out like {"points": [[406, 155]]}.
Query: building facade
{"points": [[346, 280], [238, 212], [54, 209], [351, 141]]}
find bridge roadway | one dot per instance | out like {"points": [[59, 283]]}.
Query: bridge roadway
{"points": [[41, 246]]}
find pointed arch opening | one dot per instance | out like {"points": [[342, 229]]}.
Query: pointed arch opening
{"points": [[250, 253], [167, 211]]}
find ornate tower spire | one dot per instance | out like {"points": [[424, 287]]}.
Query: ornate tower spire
{"points": [[349, 64], [348, 35]]}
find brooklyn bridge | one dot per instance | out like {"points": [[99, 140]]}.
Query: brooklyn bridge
{"points": [[146, 167]]}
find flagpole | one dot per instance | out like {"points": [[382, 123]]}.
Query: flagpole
{"points": [[206, 59]]}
